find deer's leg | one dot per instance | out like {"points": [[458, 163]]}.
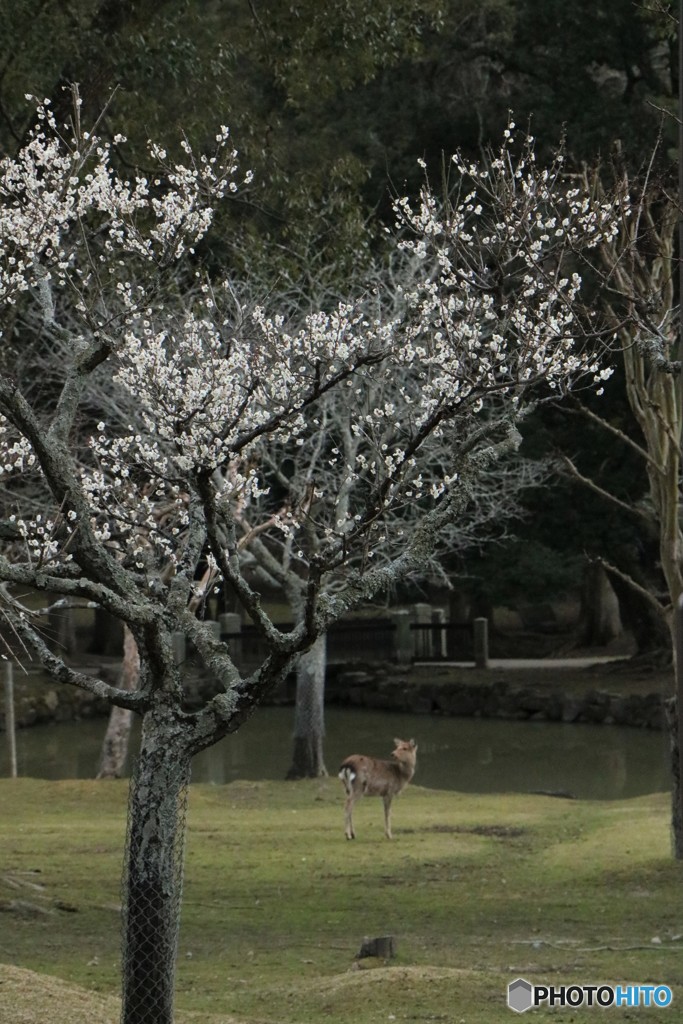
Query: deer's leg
{"points": [[387, 815], [348, 815]]}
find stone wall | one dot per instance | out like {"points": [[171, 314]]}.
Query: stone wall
{"points": [[384, 688], [37, 701]]}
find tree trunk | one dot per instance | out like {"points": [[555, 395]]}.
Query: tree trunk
{"points": [[309, 716], [649, 628], [676, 820], [600, 607], [115, 743], [153, 878]]}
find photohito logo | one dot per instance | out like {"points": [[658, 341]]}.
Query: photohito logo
{"points": [[522, 995]]}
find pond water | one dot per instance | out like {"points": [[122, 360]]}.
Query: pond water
{"points": [[466, 754]]}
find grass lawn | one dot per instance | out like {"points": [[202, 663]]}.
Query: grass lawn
{"points": [[477, 890]]}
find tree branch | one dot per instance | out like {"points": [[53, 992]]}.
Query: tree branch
{"points": [[226, 557], [662, 610], [582, 410], [134, 701], [591, 485], [57, 466], [137, 612]]}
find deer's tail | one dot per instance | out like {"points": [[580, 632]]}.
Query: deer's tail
{"points": [[347, 774]]}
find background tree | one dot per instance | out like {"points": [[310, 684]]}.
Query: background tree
{"points": [[327, 462], [280, 78], [325, 101], [117, 737], [638, 272], [86, 247]]}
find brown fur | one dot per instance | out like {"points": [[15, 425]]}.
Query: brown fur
{"points": [[369, 776]]}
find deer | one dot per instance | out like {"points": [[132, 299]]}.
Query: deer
{"points": [[368, 776]]}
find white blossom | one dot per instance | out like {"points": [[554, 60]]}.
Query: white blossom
{"points": [[356, 412]]}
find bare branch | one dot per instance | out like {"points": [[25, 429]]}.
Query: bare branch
{"points": [[604, 424], [633, 510], [136, 701], [648, 596]]}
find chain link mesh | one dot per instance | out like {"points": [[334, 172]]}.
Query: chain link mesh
{"points": [[152, 887]]}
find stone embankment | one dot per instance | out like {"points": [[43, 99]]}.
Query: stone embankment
{"points": [[534, 694], [517, 695], [37, 701]]}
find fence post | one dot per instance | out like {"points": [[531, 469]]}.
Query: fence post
{"points": [[215, 628], [440, 635], [230, 622], [423, 617], [10, 729], [403, 640], [481, 643]]}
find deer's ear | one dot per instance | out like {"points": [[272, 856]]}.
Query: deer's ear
{"points": [[398, 742], [413, 744]]}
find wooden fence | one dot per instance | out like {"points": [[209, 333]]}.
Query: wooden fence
{"points": [[368, 640]]}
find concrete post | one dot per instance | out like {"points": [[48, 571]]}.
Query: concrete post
{"points": [[481, 643], [403, 639], [422, 616], [230, 622], [440, 638], [215, 628]]}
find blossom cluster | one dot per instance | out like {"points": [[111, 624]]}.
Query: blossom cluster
{"points": [[336, 426], [62, 193], [16, 454], [496, 306], [142, 523], [208, 392]]}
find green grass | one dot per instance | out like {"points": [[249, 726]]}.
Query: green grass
{"points": [[477, 890]]}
